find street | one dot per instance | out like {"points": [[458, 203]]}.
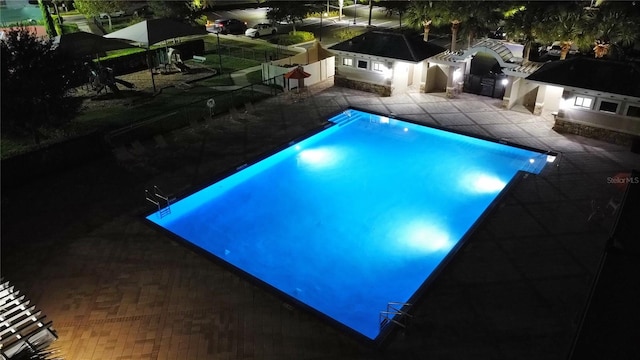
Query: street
{"points": [[330, 26]]}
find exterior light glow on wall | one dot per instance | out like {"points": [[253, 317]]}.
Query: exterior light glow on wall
{"points": [[457, 74], [386, 72], [563, 104], [505, 82]]}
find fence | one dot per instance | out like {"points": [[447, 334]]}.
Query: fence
{"points": [[193, 111], [276, 53], [319, 71]]}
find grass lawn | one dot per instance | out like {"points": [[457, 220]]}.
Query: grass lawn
{"points": [[189, 102]]}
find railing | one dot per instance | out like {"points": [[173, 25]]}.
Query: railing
{"points": [[194, 110], [21, 324], [160, 200], [276, 53], [395, 313]]}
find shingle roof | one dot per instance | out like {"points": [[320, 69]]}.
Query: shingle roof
{"points": [[593, 74], [391, 45]]}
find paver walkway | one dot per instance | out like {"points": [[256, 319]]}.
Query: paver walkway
{"points": [[115, 288]]}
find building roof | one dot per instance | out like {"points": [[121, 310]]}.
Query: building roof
{"points": [[613, 77], [393, 45]]}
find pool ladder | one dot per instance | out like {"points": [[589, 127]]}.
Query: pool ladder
{"points": [[159, 199], [396, 313]]}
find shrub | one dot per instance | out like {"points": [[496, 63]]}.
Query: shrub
{"points": [[332, 13], [291, 38], [68, 28], [202, 20], [347, 34], [304, 35]]}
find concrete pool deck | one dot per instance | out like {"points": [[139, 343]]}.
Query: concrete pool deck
{"points": [[76, 244]]}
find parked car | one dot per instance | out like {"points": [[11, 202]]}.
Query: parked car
{"points": [[228, 26], [498, 34], [261, 30], [556, 48], [117, 13]]}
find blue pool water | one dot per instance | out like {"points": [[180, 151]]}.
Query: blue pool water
{"points": [[354, 217]]}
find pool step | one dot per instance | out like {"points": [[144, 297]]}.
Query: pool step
{"points": [[346, 117]]}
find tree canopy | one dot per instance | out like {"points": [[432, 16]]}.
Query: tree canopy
{"points": [[570, 22], [287, 11], [35, 80], [93, 7]]}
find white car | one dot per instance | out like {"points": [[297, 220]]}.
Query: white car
{"points": [[556, 48], [261, 30], [113, 14]]}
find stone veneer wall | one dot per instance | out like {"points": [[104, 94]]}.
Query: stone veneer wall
{"points": [[381, 90], [564, 126]]}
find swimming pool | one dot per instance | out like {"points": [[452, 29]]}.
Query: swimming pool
{"points": [[351, 218]]}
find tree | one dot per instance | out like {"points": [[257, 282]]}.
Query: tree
{"points": [[395, 7], [565, 22], [456, 14], [614, 27], [478, 18], [521, 24], [181, 10], [287, 11], [94, 8], [425, 14], [39, 79], [48, 20], [565, 26]]}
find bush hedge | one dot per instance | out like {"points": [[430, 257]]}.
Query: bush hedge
{"points": [[292, 38]]}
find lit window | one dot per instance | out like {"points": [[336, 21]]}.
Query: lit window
{"points": [[362, 64], [608, 106], [377, 66], [347, 61], [634, 111], [584, 102]]}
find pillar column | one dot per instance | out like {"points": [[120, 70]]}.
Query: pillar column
{"points": [[506, 99], [451, 87], [537, 109]]}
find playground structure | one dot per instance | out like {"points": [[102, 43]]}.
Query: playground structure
{"points": [[102, 78]]}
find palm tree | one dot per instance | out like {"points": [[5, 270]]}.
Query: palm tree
{"points": [[458, 13], [614, 27], [601, 49], [455, 27], [564, 26], [520, 24], [479, 18], [424, 14]]}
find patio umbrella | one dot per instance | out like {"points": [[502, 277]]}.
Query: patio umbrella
{"points": [[79, 44], [298, 73], [150, 32]]}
